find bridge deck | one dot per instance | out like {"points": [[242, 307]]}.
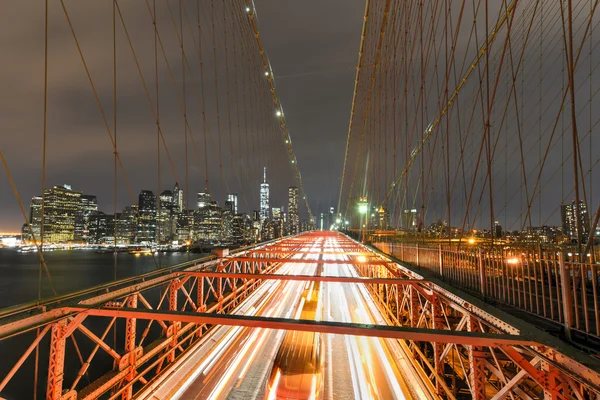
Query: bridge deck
{"points": [[214, 329], [235, 361]]}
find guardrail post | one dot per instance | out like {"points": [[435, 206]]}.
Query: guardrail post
{"points": [[565, 291], [441, 262], [482, 280], [418, 265], [402, 251]]}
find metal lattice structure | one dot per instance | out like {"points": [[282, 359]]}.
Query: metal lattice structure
{"points": [[459, 348]]}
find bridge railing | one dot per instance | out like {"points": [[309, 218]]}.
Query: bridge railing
{"points": [[547, 283], [113, 361]]}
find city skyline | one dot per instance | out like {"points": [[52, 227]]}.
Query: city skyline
{"points": [[317, 99], [230, 203], [77, 136], [72, 216]]}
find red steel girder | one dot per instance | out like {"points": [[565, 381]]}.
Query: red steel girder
{"points": [[340, 328], [56, 361], [302, 261], [312, 278], [310, 252]]}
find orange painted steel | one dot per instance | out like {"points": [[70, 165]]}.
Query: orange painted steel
{"points": [[529, 278], [448, 336], [303, 261], [311, 278], [309, 252], [339, 328]]}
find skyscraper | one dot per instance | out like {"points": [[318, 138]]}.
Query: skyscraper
{"points": [[204, 199], [165, 216], [127, 225], [88, 205], [277, 222], [410, 220], [264, 198], [35, 216], [294, 220], [209, 223], [177, 198], [61, 205], [231, 203], [147, 221], [568, 213]]}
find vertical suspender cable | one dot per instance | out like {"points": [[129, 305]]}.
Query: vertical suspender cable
{"points": [[114, 28], [156, 95]]}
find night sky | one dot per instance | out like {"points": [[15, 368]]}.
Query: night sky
{"points": [[313, 61], [313, 50]]}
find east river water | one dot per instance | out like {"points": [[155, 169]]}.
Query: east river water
{"points": [[70, 271]]}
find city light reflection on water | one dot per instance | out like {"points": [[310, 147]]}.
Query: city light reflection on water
{"points": [[71, 270]]}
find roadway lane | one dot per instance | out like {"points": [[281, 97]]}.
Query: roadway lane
{"points": [[364, 367], [235, 362]]}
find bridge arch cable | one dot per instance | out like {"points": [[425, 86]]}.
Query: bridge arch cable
{"points": [[470, 115], [177, 88], [268, 71]]}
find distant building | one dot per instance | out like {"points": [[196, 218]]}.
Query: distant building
{"points": [[498, 232], [264, 198], [35, 219], [325, 221], [278, 222], [208, 223], [541, 234], [568, 213], [256, 223], [293, 217], [61, 205], [101, 228], [240, 230], [184, 227], [127, 223], [204, 199], [178, 202], [410, 220], [146, 232], [306, 226], [166, 212], [267, 231], [88, 205], [381, 219], [231, 203]]}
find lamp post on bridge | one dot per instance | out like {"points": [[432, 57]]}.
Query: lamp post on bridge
{"points": [[363, 209]]}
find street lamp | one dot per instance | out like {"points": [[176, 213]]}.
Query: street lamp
{"points": [[363, 209], [363, 206]]}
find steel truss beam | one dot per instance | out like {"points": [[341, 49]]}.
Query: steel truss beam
{"points": [[311, 278], [341, 328], [482, 371], [311, 252], [459, 344], [303, 261]]}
